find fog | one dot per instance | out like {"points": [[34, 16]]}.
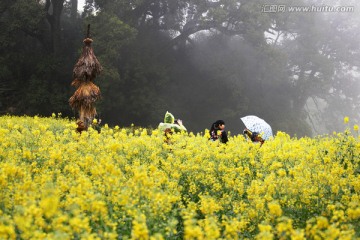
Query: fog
{"points": [[309, 90], [81, 4], [294, 64], [321, 82]]}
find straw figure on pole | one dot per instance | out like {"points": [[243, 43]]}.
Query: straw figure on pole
{"points": [[87, 93]]}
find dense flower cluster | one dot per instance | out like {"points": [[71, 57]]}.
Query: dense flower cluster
{"points": [[132, 184]]}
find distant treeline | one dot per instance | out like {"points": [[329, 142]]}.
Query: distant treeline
{"points": [[202, 60]]}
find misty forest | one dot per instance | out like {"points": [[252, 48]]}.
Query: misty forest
{"points": [[201, 60]]}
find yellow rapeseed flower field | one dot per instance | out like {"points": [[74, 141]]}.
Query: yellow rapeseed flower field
{"points": [[132, 184]]}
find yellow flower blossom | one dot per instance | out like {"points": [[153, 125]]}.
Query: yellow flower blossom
{"points": [[140, 230], [356, 127], [128, 183], [209, 205], [49, 205], [274, 209]]}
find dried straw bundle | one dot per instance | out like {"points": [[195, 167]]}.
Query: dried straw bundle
{"points": [[87, 114], [81, 126], [76, 83], [85, 96], [88, 66], [84, 100]]}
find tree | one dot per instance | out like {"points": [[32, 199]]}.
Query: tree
{"points": [[321, 51], [164, 30], [53, 9], [33, 77]]}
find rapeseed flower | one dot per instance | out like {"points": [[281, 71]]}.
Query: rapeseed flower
{"points": [[356, 127], [140, 230], [56, 183], [49, 206], [275, 209], [209, 205]]}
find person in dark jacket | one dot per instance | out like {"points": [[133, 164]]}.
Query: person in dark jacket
{"points": [[217, 131]]}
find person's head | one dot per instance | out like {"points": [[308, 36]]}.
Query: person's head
{"points": [[219, 124], [256, 137]]}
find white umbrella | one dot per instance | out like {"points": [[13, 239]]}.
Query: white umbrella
{"points": [[256, 124]]}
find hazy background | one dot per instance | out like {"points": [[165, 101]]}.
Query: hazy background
{"points": [[202, 60]]}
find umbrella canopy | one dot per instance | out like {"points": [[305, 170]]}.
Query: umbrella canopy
{"points": [[256, 124]]}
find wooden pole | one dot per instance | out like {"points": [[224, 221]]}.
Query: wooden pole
{"points": [[88, 31]]}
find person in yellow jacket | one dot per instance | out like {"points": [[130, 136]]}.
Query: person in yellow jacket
{"points": [[171, 124], [255, 137]]}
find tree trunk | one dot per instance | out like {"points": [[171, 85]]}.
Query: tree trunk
{"points": [[54, 9], [74, 8], [302, 93]]}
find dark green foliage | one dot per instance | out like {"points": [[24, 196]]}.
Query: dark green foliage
{"points": [[202, 60]]}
